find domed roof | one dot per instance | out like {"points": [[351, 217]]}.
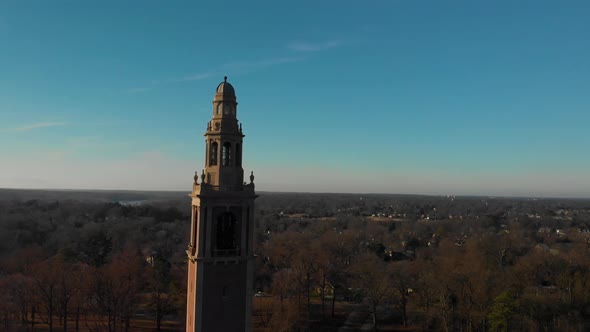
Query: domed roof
{"points": [[225, 88]]}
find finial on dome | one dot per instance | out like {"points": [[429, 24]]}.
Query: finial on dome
{"points": [[225, 79]]}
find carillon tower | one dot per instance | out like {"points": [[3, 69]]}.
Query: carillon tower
{"points": [[220, 250]]}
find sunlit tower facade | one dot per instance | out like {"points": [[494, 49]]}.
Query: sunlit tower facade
{"points": [[220, 251]]}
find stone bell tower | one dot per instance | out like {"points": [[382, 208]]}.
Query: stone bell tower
{"points": [[220, 250]]}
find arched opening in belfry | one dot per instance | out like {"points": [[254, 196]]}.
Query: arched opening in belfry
{"points": [[226, 154], [213, 154]]}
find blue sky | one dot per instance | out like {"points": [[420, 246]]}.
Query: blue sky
{"points": [[430, 97]]}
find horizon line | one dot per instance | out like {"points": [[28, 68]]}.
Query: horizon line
{"points": [[308, 192]]}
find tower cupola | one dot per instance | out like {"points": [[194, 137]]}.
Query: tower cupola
{"points": [[224, 101], [224, 137]]}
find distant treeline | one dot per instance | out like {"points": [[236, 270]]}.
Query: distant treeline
{"points": [[91, 265], [89, 261]]}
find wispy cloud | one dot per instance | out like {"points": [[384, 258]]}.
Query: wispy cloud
{"points": [[301, 46], [155, 83], [234, 67], [299, 51], [192, 77], [239, 66], [246, 66], [259, 64], [39, 125]]}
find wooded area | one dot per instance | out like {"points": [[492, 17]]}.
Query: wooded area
{"points": [[115, 261]]}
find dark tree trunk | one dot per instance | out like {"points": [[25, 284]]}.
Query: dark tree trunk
{"points": [[333, 301], [111, 322], [299, 302], [24, 314], [374, 315], [308, 297], [66, 317], [158, 310], [323, 295], [158, 323], [404, 305], [32, 318], [51, 314], [78, 318]]}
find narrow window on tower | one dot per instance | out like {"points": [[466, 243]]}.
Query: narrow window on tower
{"points": [[225, 154], [226, 237], [213, 154], [238, 155], [207, 151], [247, 229], [202, 243]]}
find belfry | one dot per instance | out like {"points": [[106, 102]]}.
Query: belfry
{"points": [[220, 251]]}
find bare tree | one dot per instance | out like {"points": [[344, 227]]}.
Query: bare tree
{"points": [[371, 274], [46, 275], [115, 287]]}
